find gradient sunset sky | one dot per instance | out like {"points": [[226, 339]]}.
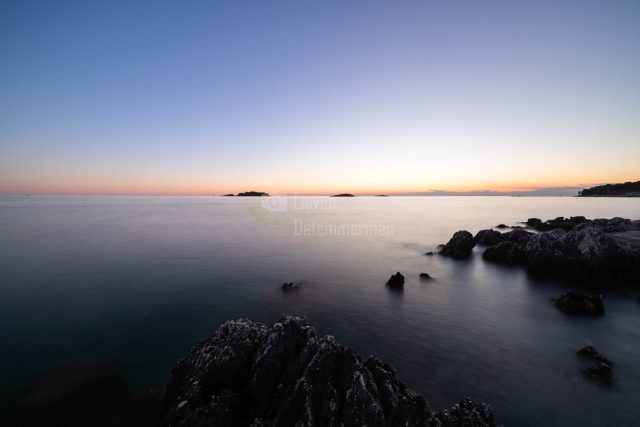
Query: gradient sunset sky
{"points": [[314, 97]]}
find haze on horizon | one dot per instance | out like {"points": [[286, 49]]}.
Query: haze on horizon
{"points": [[167, 97]]}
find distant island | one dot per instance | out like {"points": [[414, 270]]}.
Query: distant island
{"points": [[248, 194], [343, 195], [627, 189]]}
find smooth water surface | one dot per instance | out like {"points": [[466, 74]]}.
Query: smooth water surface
{"points": [[140, 280]]}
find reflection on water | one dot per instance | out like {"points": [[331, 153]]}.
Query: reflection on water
{"points": [[141, 280]]}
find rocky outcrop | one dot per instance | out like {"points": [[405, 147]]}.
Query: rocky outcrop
{"points": [[459, 246], [577, 303], [249, 374], [600, 251], [488, 237], [396, 281], [425, 276], [503, 252]]}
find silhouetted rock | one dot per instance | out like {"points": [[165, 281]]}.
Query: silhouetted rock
{"points": [[577, 303], [532, 222], [343, 195], [396, 281], [589, 352], [229, 195], [503, 252], [253, 194], [430, 253], [249, 374], [425, 276], [501, 226], [488, 237], [600, 372], [627, 189], [518, 235], [290, 286], [459, 246]]}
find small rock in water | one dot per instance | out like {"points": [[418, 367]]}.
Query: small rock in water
{"points": [[577, 303], [425, 276], [591, 353], [501, 226], [396, 281], [430, 253], [600, 372], [290, 286]]}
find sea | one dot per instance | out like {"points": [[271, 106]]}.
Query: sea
{"points": [[135, 282]]}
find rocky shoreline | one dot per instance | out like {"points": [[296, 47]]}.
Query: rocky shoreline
{"points": [[285, 374], [599, 251]]}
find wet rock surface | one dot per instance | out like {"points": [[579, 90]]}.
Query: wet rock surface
{"points": [[425, 276], [577, 303], [249, 374], [459, 246]]}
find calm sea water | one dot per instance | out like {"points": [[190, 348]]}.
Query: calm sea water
{"points": [[140, 280]]}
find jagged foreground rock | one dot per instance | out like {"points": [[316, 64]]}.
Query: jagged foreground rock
{"points": [[249, 374]]}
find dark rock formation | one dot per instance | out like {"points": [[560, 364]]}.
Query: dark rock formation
{"points": [[589, 352], [396, 281], [430, 253], [533, 222], [566, 224], [253, 194], [501, 226], [343, 195], [504, 252], [627, 189], [488, 237], [600, 372], [600, 251], [249, 374], [577, 303], [229, 195], [290, 286], [425, 276], [459, 246]]}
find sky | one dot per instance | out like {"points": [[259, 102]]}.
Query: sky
{"points": [[317, 97]]}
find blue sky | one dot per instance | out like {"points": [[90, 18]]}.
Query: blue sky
{"points": [[168, 97]]}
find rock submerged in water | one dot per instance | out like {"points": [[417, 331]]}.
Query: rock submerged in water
{"points": [[425, 276], [396, 281], [459, 246], [577, 303], [249, 374]]}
